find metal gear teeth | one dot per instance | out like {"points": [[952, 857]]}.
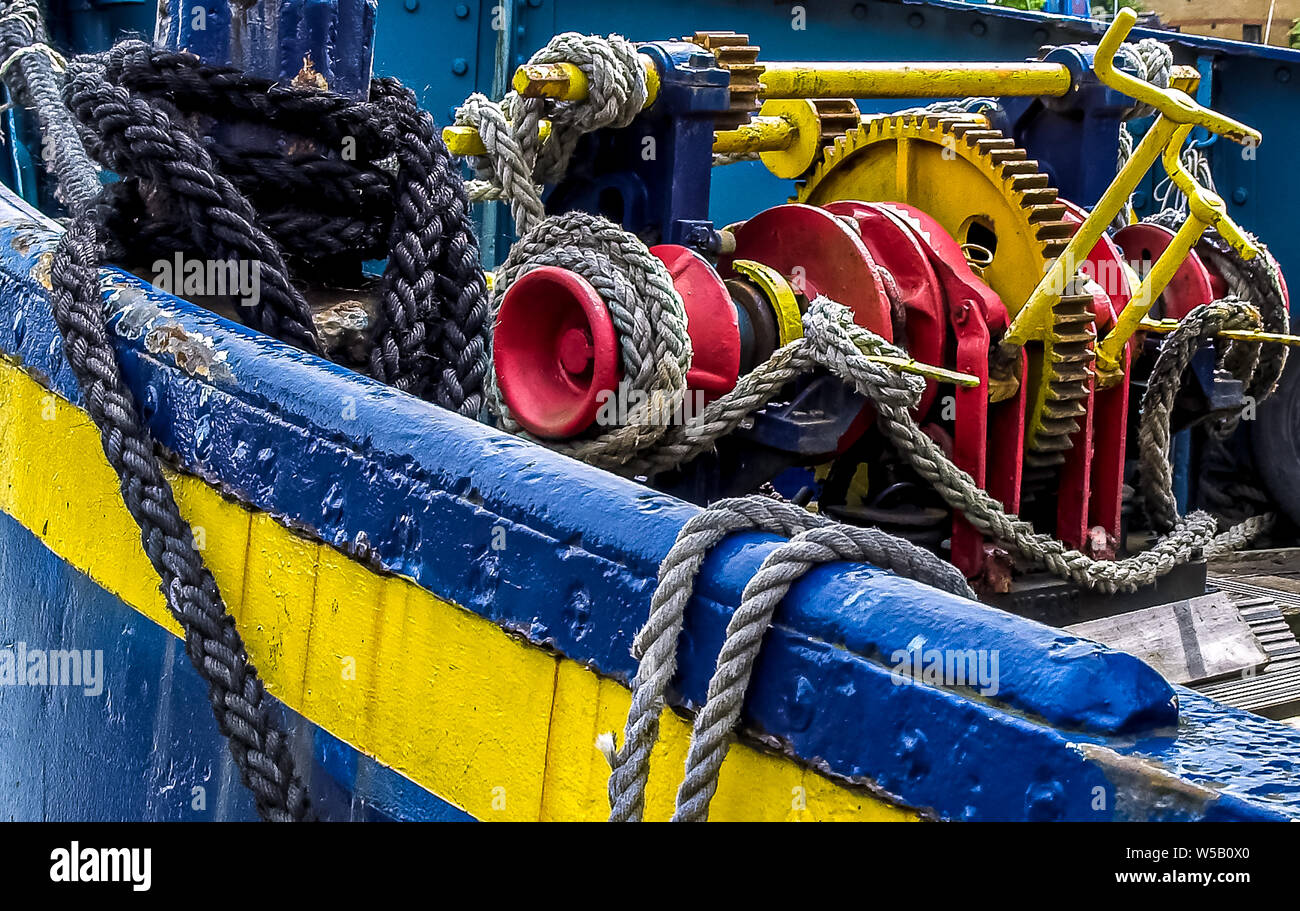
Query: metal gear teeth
{"points": [[1068, 352], [1068, 355], [739, 58], [838, 116]]}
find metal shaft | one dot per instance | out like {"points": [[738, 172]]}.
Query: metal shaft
{"points": [[912, 80]]}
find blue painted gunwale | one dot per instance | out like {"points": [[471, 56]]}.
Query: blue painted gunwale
{"points": [[417, 492]]}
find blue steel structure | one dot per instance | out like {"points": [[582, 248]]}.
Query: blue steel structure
{"points": [[664, 198]]}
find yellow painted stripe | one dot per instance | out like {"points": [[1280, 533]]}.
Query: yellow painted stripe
{"points": [[492, 724]]}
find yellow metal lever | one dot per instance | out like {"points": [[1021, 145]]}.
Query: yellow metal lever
{"points": [[929, 371], [1178, 114], [1175, 104], [1205, 210], [1238, 335]]}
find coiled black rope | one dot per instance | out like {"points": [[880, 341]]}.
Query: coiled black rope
{"points": [[367, 180], [138, 109]]}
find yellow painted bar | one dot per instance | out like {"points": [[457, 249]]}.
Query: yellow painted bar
{"points": [[562, 81], [929, 371], [1241, 335], [567, 82], [1205, 209], [887, 79], [761, 134], [465, 140], [1174, 104], [1177, 109], [501, 728], [1110, 351]]}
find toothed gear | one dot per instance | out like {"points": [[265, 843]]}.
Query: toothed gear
{"points": [[978, 184], [739, 58], [838, 116]]}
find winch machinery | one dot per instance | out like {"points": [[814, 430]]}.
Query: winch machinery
{"points": [[967, 232]]}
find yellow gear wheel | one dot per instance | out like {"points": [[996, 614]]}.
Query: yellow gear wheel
{"points": [[984, 191]]}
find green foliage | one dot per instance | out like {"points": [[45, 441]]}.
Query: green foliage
{"points": [[1293, 36], [1021, 4]]}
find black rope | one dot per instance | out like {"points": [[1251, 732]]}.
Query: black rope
{"points": [[397, 194], [364, 179], [259, 747]]}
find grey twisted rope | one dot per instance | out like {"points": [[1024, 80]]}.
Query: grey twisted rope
{"points": [[1154, 61], [814, 540], [833, 331], [647, 311], [834, 341], [1175, 355], [516, 159], [33, 83]]}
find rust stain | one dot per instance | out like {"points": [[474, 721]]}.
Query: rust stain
{"points": [[308, 78]]}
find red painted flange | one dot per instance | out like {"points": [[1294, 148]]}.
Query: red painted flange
{"points": [[818, 254], [710, 320], [555, 350], [899, 250], [1142, 244]]}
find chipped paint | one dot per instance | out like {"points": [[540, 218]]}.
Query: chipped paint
{"points": [[192, 352]]}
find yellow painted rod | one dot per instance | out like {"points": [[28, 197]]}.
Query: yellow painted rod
{"points": [[885, 79], [566, 82], [1031, 321], [1109, 366], [1243, 335], [1205, 209], [1174, 104], [465, 140], [761, 134]]}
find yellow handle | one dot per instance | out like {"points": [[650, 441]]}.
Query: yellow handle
{"points": [[1204, 205], [1177, 105], [1178, 115]]}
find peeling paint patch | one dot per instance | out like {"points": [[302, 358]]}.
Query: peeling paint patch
{"points": [[29, 235], [41, 271], [136, 312], [192, 352]]}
